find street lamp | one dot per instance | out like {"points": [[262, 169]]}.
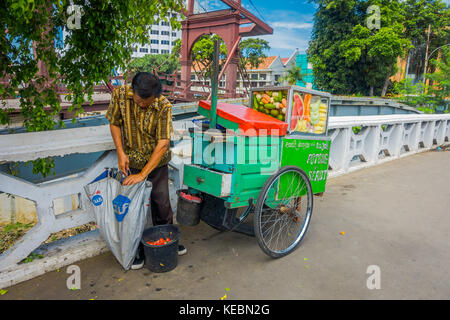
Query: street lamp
{"points": [[428, 58]]}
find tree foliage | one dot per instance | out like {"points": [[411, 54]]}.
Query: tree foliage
{"points": [[164, 63], [101, 42], [350, 58], [202, 54], [428, 98], [252, 51], [90, 53], [293, 75], [419, 14]]}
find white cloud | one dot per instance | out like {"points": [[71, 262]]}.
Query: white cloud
{"points": [[283, 43], [292, 25]]}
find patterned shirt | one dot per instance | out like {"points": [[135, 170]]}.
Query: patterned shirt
{"points": [[141, 128]]}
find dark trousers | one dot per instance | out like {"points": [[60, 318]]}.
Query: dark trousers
{"points": [[161, 210]]}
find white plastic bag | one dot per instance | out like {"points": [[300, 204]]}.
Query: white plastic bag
{"points": [[120, 213]]}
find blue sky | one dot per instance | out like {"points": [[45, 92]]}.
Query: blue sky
{"points": [[291, 21]]}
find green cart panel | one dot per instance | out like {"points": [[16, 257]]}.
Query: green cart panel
{"points": [[212, 182], [309, 154]]}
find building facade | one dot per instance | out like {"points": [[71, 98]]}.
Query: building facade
{"points": [[161, 39], [268, 73], [306, 69]]}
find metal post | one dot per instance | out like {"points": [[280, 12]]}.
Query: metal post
{"points": [[426, 55], [214, 85]]}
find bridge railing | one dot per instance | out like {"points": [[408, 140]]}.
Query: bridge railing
{"points": [[380, 139]]}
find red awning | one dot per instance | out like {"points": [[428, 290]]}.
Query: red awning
{"points": [[248, 119]]}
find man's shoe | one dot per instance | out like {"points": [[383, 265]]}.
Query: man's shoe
{"points": [[139, 259], [138, 263], [181, 250]]}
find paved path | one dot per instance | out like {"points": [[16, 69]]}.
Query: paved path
{"points": [[395, 216]]}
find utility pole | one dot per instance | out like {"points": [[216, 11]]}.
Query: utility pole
{"points": [[426, 53]]}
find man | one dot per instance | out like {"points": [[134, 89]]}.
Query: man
{"points": [[141, 127]]}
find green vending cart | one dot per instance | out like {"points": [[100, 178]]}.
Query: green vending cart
{"points": [[267, 161]]}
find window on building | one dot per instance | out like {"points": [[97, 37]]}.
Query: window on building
{"points": [[164, 51], [262, 76], [174, 34], [277, 76], [174, 15], [153, 41], [254, 76], [154, 32], [135, 49], [192, 76], [154, 51], [165, 23], [165, 33], [167, 42], [262, 84], [253, 84], [156, 23], [174, 43], [145, 50]]}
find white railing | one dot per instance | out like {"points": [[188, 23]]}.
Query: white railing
{"points": [[382, 138]]}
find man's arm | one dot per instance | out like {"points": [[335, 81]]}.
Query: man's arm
{"points": [[164, 131], [122, 159], [155, 158], [115, 123]]}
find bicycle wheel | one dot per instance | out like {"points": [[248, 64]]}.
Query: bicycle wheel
{"points": [[283, 211]]}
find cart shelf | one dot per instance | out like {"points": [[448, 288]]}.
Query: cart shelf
{"points": [[251, 122]]}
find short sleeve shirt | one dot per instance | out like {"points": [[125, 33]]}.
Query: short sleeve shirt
{"points": [[141, 128]]}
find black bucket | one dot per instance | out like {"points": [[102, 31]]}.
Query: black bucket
{"points": [[165, 257], [188, 211]]}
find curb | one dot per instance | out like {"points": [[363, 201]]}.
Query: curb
{"points": [[57, 254]]}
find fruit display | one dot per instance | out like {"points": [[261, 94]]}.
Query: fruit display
{"points": [[309, 114], [273, 103]]}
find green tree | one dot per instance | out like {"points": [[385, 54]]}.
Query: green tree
{"points": [[428, 98], [439, 91], [378, 51], [93, 48], [293, 75], [419, 15], [333, 22], [202, 53], [350, 58], [252, 51], [164, 63]]}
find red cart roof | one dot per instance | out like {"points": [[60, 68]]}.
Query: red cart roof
{"points": [[248, 118]]}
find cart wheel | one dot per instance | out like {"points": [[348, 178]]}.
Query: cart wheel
{"points": [[283, 211]]}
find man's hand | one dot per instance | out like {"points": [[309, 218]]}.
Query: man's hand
{"points": [[133, 179], [123, 162]]}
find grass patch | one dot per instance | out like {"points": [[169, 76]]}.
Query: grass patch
{"points": [[10, 233], [63, 234]]}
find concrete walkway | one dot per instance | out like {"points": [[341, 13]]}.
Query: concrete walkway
{"points": [[395, 216]]}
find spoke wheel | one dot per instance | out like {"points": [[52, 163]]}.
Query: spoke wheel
{"points": [[283, 211]]}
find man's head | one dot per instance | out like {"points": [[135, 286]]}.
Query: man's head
{"points": [[146, 87]]}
